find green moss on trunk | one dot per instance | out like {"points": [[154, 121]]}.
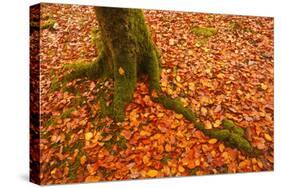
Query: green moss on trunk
{"points": [[125, 34]]}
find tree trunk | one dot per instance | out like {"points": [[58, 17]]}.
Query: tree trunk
{"points": [[129, 52]]}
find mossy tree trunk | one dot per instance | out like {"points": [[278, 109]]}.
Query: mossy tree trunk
{"points": [[129, 52]]}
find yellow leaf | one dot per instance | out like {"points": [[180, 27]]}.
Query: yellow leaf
{"points": [[144, 133], [243, 164], [83, 159], [220, 75], [208, 125], [121, 71], [178, 78], [239, 92], [168, 147], [145, 159], [267, 137], [212, 141], [217, 123], [164, 84], [263, 86], [208, 71], [197, 162], [191, 86], [181, 169], [260, 164], [179, 116], [221, 147], [154, 94], [152, 173], [204, 111], [53, 171], [88, 136], [160, 114], [213, 153], [190, 52], [157, 136], [170, 91], [54, 138]]}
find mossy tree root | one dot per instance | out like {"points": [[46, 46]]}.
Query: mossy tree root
{"points": [[94, 70], [175, 105], [232, 135]]}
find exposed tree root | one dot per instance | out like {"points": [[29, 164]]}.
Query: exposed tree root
{"points": [[94, 70], [176, 106], [232, 135]]}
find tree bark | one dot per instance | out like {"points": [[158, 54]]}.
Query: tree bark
{"points": [[130, 52]]}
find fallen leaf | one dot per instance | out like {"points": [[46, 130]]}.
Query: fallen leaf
{"points": [[121, 71], [83, 159], [212, 141], [152, 173], [217, 123], [92, 179], [267, 137], [88, 136], [181, 169]]}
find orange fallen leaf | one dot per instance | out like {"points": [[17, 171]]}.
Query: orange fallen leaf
{"points": [[92, 179]]}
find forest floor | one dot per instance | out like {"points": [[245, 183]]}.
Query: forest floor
{"points": [[219, 65]]}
